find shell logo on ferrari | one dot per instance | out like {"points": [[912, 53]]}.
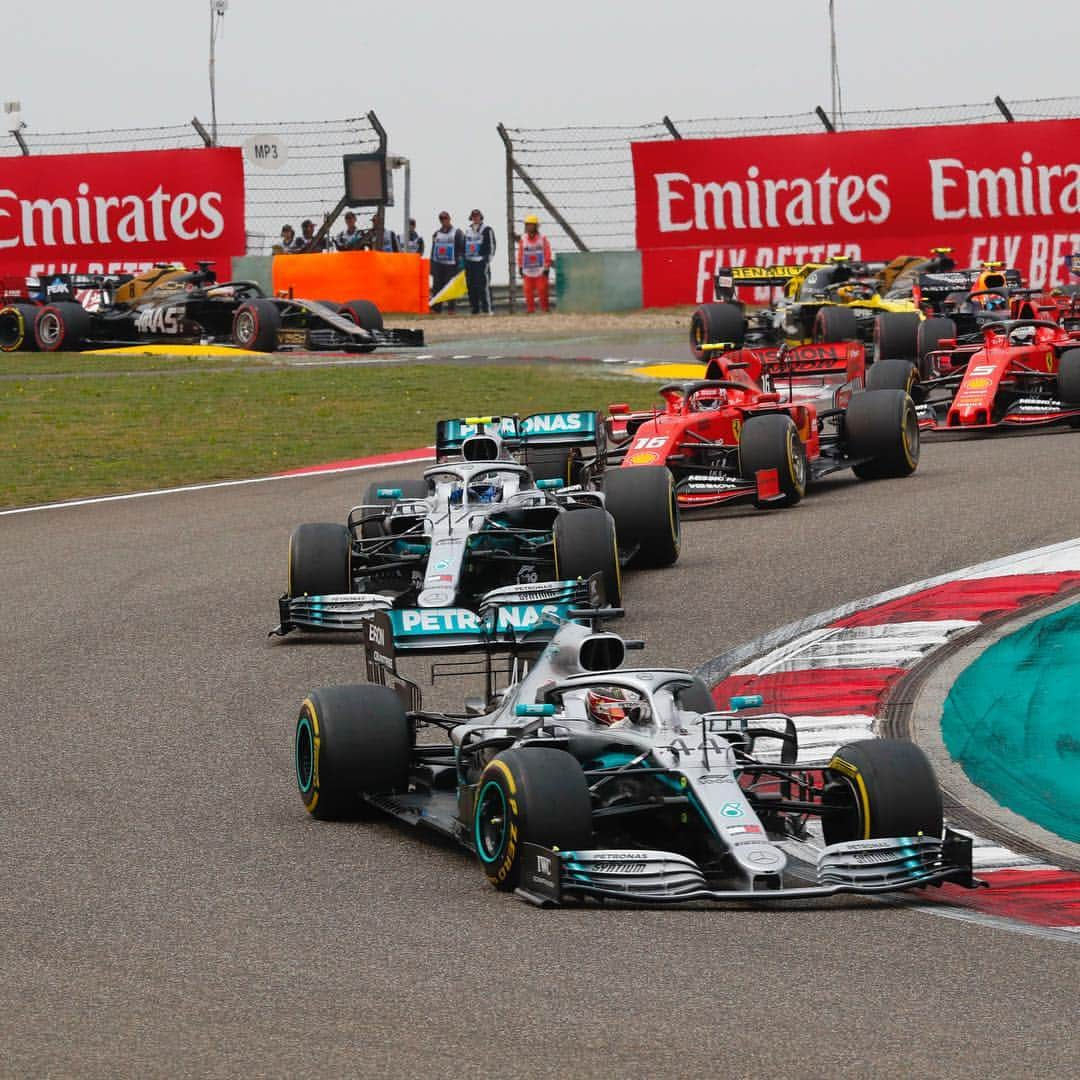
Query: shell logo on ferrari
{"points": [[646, 458], [978, 384]]}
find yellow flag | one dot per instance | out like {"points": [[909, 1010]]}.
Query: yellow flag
{"points": [[454, 289]]}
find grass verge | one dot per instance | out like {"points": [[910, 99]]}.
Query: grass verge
{"points": [[71, 430]]}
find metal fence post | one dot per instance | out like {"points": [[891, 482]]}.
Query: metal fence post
{"points": [[511, 217], [540, 197], [1004, 109]]}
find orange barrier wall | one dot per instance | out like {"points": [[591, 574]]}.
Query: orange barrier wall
{"points": [[395, 282]]}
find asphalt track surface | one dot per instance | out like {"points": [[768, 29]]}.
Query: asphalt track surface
{"points": [[168, 909]]}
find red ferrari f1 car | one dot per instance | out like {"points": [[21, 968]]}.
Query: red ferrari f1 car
{"points": [[765, 422], [1021, 373]]}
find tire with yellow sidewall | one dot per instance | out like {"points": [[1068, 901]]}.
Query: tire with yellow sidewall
{"points": [[879, 788], [642, 501], [882, 427], [350, 741], [528, 795], [17, 327], [585, 543], [772, 442]]}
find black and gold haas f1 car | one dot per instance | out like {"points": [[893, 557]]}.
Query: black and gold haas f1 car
{"points": [[173, 305]]}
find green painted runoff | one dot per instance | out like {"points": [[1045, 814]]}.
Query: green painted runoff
{"points": [[1012, 721]]}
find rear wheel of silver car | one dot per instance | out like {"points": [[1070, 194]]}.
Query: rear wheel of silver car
{"points": [[643, 503], [319, 555], [882, 427], [350, 741], [880, 788], [528, 795], [552, 463], [772, 442], [255, 325], [585, 544]]}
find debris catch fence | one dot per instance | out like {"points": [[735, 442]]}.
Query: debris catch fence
{"points": [[307, 184], [579, 180]]}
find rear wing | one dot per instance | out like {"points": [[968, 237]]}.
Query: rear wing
{"points": [[569, 429], [730, 278], [59, 288], [825, 358], [938, 286]]}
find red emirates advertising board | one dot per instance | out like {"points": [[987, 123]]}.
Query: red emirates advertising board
{"points": [[109, 213], [989, 191]]}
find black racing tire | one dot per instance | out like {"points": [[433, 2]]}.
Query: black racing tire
{"points": [[364, 313], [835, 324], [61, 327], [712, 324], [772, 442], [893, 373], [932, 332], [896, 335], [552, 463], [882, 425], [1069, 377], [255, 325], [17, 327], [879, 788], [371, 523], [319, 560], [528, 795], [350, 741], [645, 508], [585, 544]]}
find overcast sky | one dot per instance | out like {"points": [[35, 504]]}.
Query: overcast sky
{"points": [[440, 75]]}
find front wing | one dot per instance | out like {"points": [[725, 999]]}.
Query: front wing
{"points": [[866, 867], [1027, 412]]}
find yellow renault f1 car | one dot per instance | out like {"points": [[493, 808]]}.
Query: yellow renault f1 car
{"points": [[822, 302]]}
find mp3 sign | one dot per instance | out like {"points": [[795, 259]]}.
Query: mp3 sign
{"points": [[104, 213], [989, 191]]}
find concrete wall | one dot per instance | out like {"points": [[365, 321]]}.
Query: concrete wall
{"points": [[598, 281], [254, 268]]}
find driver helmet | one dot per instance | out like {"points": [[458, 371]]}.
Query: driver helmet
{"points": [[484, 491], [707, 400], [994, 303], [614, 706], [1022, 335]]}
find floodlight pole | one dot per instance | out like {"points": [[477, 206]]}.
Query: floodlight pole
{"points": [[834, 70], [217, 9]]}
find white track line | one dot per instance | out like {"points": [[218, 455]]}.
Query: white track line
{"points": [[211, 486]]}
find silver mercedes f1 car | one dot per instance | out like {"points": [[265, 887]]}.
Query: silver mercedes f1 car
{"points": [[576, 777], [510, 502]]}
